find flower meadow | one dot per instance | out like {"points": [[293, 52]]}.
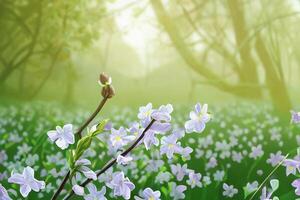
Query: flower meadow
{"points": [[241, 151]]}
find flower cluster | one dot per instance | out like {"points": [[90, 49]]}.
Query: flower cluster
{"points": [[169, 161]]}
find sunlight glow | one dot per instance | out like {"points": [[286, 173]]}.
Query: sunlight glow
{"points": [[135, 24]]}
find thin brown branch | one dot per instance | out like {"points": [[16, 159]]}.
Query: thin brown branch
{"points": [[113, 161]]}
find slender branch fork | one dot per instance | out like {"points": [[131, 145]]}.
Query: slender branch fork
{"points": [[88, 121], [113, 161]]}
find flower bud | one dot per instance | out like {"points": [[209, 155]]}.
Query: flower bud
{"points": [[104, 79], [108, 91]]}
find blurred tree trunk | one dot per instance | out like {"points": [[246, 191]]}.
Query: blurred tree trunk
{"points": [[24, 53], [248, 85], [249, 71], [276, 85], [187, 54], [38, 89]]}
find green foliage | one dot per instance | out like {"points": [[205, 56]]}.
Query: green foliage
{"points": [[84, 143]]}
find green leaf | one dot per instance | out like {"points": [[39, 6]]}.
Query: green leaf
{"points": [[100, 127], [246, 192], [70, 157], [82, 145], [164, 190]]}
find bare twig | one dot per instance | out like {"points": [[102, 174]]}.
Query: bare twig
{"points": [[113, 161]]}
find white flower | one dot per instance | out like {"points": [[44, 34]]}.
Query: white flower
{"points": [[121, 186], [229, 190], [179, 171], [198, 118], [62, 136], [119, 138], [256, 152], [149, 194], [194, 179], [219, 175], [163, 177], [251, 187], [169, 146], [94, 193], [145, 112], [123, 160], [275, 159], [3, 194], [78, 190], [27, 181], [82, 167], [177, 191]]}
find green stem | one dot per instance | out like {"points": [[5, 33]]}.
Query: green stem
{"points": [[265, 180]]}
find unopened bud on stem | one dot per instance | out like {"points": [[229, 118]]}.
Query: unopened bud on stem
{"points": [[107, 89], [104, 79]]}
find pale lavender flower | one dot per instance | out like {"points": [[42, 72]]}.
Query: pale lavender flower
{"points": [[179, 133], [212, 163], [194, 179], [108, 126], [229, 190], [275, 159], [3, 156], [149, 194], [145, 113], [124, 160], [296, 184], [78, 190], [198, 118], [295, 117], [27, 181], [291, 166], [206, 180], [150, 139], [179, 171], [62, 137], [251, 187], [3, 193], [185, 152], [177, 191], [169, 146], [161, 125], [81, 165], [120, 185], [256, 152], [237, 156], [107, 176], [119, 138], [154, 165], [134, 129], [94, 193], [162, 118], [163, 177], [267, 194], [163, 113], [206, 141], [219, 175]]}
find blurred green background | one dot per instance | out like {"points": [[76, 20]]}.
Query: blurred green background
{"points": [[160, 51]]}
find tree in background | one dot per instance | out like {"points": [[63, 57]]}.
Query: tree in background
{"points": [[242, 41], [39, 35]]}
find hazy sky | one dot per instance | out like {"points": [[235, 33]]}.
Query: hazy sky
{"points": [[138, 31]]}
